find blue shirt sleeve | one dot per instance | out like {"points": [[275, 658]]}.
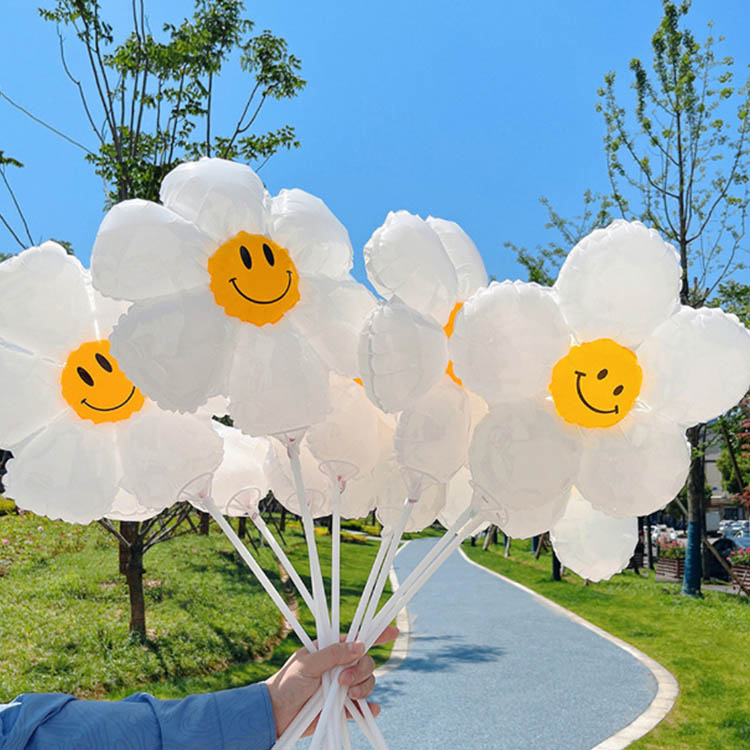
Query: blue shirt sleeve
{"points": [[236, 719]]}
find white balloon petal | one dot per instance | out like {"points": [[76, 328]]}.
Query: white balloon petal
{"points": [[176, 348], [402, 354], [423, 512], [161, 452], [470, 270], [347, 438], [67, 471], [619, 283], [696, 365], [506, 341], [316, 240], [330, 315], [523, 457], [277, 383], [405, 257], [634, 468], [358, 497], [44, 304], [317, 487], [126, 508], [220, 197], [30, 394], [592, 544], [241, 468], [522, 523], [432, 434], [144, 250]]}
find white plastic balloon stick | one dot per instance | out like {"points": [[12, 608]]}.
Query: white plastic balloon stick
{"points": [[302, 720], [391, 609], [335, 553], [369, 614], [311, 708], [319, 597], [286, 563], [258, 572]]}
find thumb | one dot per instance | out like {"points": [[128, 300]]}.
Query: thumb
{"points": [[339, 654]]}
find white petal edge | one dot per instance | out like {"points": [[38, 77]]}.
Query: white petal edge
{"points": [[591, 543], [402, 354], [144, 250], [176, 349], [405, 257], [634, 468], [523, 456], [220, 197], [696, 365], [330, 315], [277, 381], [68, 471], [44, 302], [317, 241], [161, 452], [30, 394], [507, 339], [620, 283], [470, 271]]}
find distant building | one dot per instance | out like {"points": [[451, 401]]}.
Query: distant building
{"points": [[720, 498]]}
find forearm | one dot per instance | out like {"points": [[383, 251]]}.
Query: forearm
{"points": [[227, 720]]}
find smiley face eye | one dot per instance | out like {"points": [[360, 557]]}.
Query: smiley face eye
{"points": [[617, 391], [269, 254], [103, 362], [246, 259], [602, 374], [83, 375]]}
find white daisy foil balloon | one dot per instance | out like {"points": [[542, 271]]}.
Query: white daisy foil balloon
{"points": [[596, 379], [425, 269], [233, 293], [86, 442]]}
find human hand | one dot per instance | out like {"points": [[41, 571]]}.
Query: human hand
{"points": [[299, 679]]}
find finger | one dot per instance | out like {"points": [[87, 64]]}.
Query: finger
{"points": [[389, 634], [363, 689], [339, 654], [359, 672], [374, 710]]}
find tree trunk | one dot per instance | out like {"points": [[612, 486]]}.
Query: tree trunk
{"points": [[490, 537], [556, 569], [129, 530], [649, 548], [135, 589], [203, 527], [691, 582], [282, 519]]}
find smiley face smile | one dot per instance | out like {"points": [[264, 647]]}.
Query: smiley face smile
{"points": [[233, 282], [110, 408], [580, 375]]}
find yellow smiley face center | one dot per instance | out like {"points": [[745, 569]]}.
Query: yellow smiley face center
{"points": [[596, 383], [254, 279], [96, 388]]}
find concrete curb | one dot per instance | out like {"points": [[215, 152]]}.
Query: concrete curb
{"points": [[401, 645], [667, 687]]}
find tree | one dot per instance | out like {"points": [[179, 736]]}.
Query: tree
{"points": [[676, 159], [149, 101], [15, 232]]}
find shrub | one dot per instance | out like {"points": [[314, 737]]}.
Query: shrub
{"points": [[671, 550]]}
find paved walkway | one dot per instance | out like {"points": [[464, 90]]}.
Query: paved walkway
{"points": [[491, 666]]}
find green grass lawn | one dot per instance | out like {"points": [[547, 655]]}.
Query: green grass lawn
{"points": [[704, 643], [64, 612]]}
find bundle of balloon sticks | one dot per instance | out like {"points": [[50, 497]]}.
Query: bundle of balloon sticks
{"points": [[445, 399]]}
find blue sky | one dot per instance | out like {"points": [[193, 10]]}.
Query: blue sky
{"points": [[468, 111]]}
